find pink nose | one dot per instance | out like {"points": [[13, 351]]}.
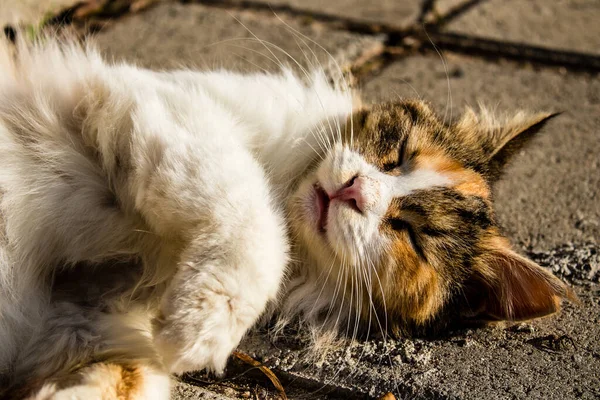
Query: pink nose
{"points": [[352, 193]]}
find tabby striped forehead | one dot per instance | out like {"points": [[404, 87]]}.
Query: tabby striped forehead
{"points": [[405, 139], [447, 204]]}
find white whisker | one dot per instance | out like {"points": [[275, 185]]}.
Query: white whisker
{"points": [[449, 99]]}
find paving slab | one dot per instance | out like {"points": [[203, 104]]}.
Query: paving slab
{"points": [[555, 358], [559, 24], [550, 193], [398, 14], [174, 35]]}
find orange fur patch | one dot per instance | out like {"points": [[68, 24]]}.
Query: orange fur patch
{"points": [[410, 286]]}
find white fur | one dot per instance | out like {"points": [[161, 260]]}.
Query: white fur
{"points": [[184, 172]]}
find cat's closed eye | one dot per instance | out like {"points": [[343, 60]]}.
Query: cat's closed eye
{"points": [[399, 161], [401, 225]]}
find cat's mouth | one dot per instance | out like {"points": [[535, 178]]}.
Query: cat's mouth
{"points": [[322, 206]]}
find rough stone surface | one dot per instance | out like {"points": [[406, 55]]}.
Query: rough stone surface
{"points": [[399, 14], [559, 24], [552, 358], [174, 35], [183, 390], [550, 193], [574, 263]]}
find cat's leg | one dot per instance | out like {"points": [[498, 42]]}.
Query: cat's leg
{"points": [[109, 381], [230, 268], [122, 174], [199, 188], [79, 352]]}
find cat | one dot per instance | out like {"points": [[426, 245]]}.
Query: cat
{"points": [[148, 219]]}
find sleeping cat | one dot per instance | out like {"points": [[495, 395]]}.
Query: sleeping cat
{"points": [[147, 219]]}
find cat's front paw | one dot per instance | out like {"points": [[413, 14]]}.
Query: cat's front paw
{"points": [[183, 350], [200, 325]]}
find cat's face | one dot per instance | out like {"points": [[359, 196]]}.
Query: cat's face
{"points": [[397, 222]]}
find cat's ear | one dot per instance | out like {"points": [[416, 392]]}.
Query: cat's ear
{"points": [[507, 286], [499, 138]]}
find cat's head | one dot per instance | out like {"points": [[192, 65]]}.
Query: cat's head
{"points": [[398, 225]]}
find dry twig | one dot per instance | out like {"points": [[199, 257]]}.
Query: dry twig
{"points": [[265, 370]]}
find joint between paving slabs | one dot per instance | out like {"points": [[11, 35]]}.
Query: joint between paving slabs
{"points": [[399, 42], [422, 36]]}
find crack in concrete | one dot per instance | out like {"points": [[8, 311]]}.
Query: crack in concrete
{"points": [[419, 36], [422, 36], [490, 49]]}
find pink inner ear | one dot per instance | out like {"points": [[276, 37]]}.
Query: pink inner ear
{"points": [[521, 290]]}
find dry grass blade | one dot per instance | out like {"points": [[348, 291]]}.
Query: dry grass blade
{"points": [[265, 370]]}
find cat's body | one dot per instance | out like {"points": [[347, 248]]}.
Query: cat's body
{"points": [[146, 219]]}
